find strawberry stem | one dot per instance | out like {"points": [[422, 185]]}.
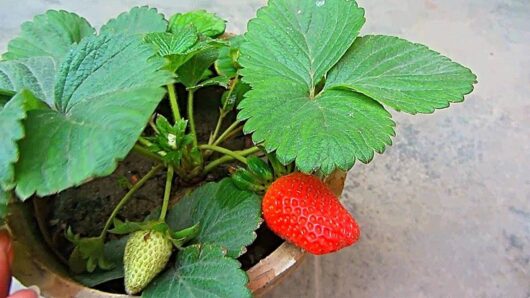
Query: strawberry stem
{"points": [[173, 102], [228, 158], [223, 112], [127, 197], [167, 193], [145, 152], [144, 141], [226, 133], [224, 151], [191, 118]]}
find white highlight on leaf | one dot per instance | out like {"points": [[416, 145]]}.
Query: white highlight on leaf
{"points": [[172, 140], [320, 3]]}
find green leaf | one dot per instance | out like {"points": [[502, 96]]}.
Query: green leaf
{"points": [[406, 76], [105, 92], [227, 215], [36, 74], [206, 23], [12, 130], [113, 252], [139, 20], [127, 227], [173, 43], [326, 133], [201, 271], [215, 81], [192, 72], [227, 63], [49, 34], [88, 253], [202, 45], [287, 41], [285, 58]]}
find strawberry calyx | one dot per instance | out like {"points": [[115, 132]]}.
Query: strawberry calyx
{"points": [[178, 238], [88, 253], [259, 174]]}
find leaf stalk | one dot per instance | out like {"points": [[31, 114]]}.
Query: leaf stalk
{"points": [[228, 158], [173, 102], [167, 193]]}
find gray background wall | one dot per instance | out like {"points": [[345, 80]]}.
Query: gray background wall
{"points": [[445, 212]]}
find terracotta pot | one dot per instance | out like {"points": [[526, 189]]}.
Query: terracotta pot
{"points": [[35, 264]]}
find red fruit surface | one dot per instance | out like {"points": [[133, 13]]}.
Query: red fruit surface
{"points": [[301, 209]]}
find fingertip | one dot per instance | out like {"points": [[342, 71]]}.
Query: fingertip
{"points": [[27, 293], [5, 245]]}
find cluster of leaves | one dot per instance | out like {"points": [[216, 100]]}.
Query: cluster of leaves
{"points": [[174, 145], [74, 102], [81, 100], [73, 106], [225, 217]]}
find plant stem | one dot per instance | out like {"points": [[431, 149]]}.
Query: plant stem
{"points": [[222, 113], [127, 196], [173, 102], [233, 133], [225, 151], [153, 125], [144, 141], [190, 117], [226, 132], [145, 152], [167, 193], [228, 158], [217, 127]]}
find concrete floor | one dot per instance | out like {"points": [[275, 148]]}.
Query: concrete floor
{"points": [[445, 212]]}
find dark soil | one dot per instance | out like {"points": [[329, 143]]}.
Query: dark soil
{"points": [[86, 208]]}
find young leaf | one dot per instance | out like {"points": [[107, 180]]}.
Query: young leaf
{"points": [[113, 251], [227, 63], [202, 45], [106, 90], [12, 130], [88, 253], [36, 74], [403, 75], [192, 72], [215, 81], [206, 23], [201, 271], [127, 227], [227, 215], [173, 43], [49, 34], [139, 20]]}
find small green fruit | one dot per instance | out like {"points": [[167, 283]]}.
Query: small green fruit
{"points": [[146, 254]]}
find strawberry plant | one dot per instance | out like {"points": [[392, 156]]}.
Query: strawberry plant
{"points": [[303, 91]]}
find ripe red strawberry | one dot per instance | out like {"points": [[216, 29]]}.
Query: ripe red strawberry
{"points": [[302, 209]]}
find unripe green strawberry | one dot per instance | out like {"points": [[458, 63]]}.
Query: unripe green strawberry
{"points": [[146, 254], [303, 210]]}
